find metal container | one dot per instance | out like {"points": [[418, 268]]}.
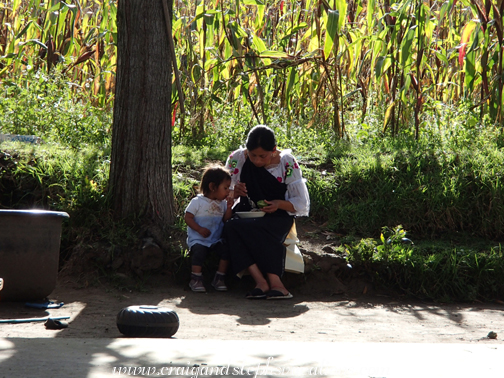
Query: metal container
{"points": [[29, 253]]}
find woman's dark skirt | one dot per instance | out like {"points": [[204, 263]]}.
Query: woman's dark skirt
{"points": [[258, 241]]}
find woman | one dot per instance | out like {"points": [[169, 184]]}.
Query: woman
{"points": [[262, 172]]}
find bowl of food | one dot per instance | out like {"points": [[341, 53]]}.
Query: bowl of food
{"points": [[251, 214]]}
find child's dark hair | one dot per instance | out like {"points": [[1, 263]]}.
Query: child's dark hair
{"points": [[213, 174], [261, 136]]}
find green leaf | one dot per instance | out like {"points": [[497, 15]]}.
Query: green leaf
{"points": [[442, 12], [200, 12], [470, 70], [176, 25], [297, 27], [260, 19], [371, 5], [290, 85], [198, 16], [331, 32], [73, 8], [240, 32], [406, 45], [405, 89], [216, 99], [273, 54], [258, 44], [341, 7], [252, 2], [237, 33], [249, 61], [382, 65], [350, 94], [33, 41], [196, 73], [476, 41], [16, 5], [209, 18], [388, 116], [210, 63], [291, 31], [22, 32], [442, 58]]}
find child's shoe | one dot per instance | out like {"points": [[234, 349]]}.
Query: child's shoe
{"points": [[196, 284], [218, 282]]}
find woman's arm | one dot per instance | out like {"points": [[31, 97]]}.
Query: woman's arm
{"points": [[234, 165], [297, 192], [275, 205]]}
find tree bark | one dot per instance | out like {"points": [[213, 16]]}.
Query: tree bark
{"points": [[140, 172]]}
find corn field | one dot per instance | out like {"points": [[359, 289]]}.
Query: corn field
{"points": [[310, 59], [76, 37]]}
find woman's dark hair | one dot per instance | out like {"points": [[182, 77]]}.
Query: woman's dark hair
{"points": [[261, 136], [213, 174]]}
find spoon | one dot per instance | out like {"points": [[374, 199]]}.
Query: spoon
{"points": [[251, 203]]}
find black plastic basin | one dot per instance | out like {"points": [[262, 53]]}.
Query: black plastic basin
{"points": [[29, 253]]}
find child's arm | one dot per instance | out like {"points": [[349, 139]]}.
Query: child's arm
{"points": [[229, 213], [189, 219]]}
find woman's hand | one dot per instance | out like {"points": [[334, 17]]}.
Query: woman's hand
{"points": [[240, 189], [273, 206]]}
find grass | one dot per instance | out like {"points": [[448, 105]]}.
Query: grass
{"points": [[431, 191], [47, 106], [431, 270]]}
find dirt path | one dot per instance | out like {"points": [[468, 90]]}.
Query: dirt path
{"points": [[323, 309], [229, 316]]}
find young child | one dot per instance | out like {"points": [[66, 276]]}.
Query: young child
{"points": [[205, 216]]}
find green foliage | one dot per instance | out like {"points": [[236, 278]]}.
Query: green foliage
{"points": [[313, 63], [438, 273], [429, 186], [51, 176], [77, 39], [330, 57], [46, 106]]}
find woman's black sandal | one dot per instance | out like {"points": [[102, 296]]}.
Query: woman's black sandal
{"points": [[255, 294], [276, 294]]}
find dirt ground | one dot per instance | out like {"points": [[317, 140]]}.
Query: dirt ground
{"points": [[92, 313], [323, 309]]}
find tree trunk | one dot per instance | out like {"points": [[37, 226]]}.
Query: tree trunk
{"points": [[140, 172]]}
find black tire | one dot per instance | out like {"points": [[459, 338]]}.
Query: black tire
{"points": [[147, 321]]}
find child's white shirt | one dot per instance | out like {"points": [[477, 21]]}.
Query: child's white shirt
{"points": [[207, 213]]}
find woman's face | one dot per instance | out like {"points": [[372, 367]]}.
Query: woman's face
{"points": [[260, 157]]}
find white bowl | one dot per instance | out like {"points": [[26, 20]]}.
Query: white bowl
{"points": [[250, 214]]}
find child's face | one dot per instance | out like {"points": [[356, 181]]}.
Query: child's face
{"points": [[222, 191]]}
